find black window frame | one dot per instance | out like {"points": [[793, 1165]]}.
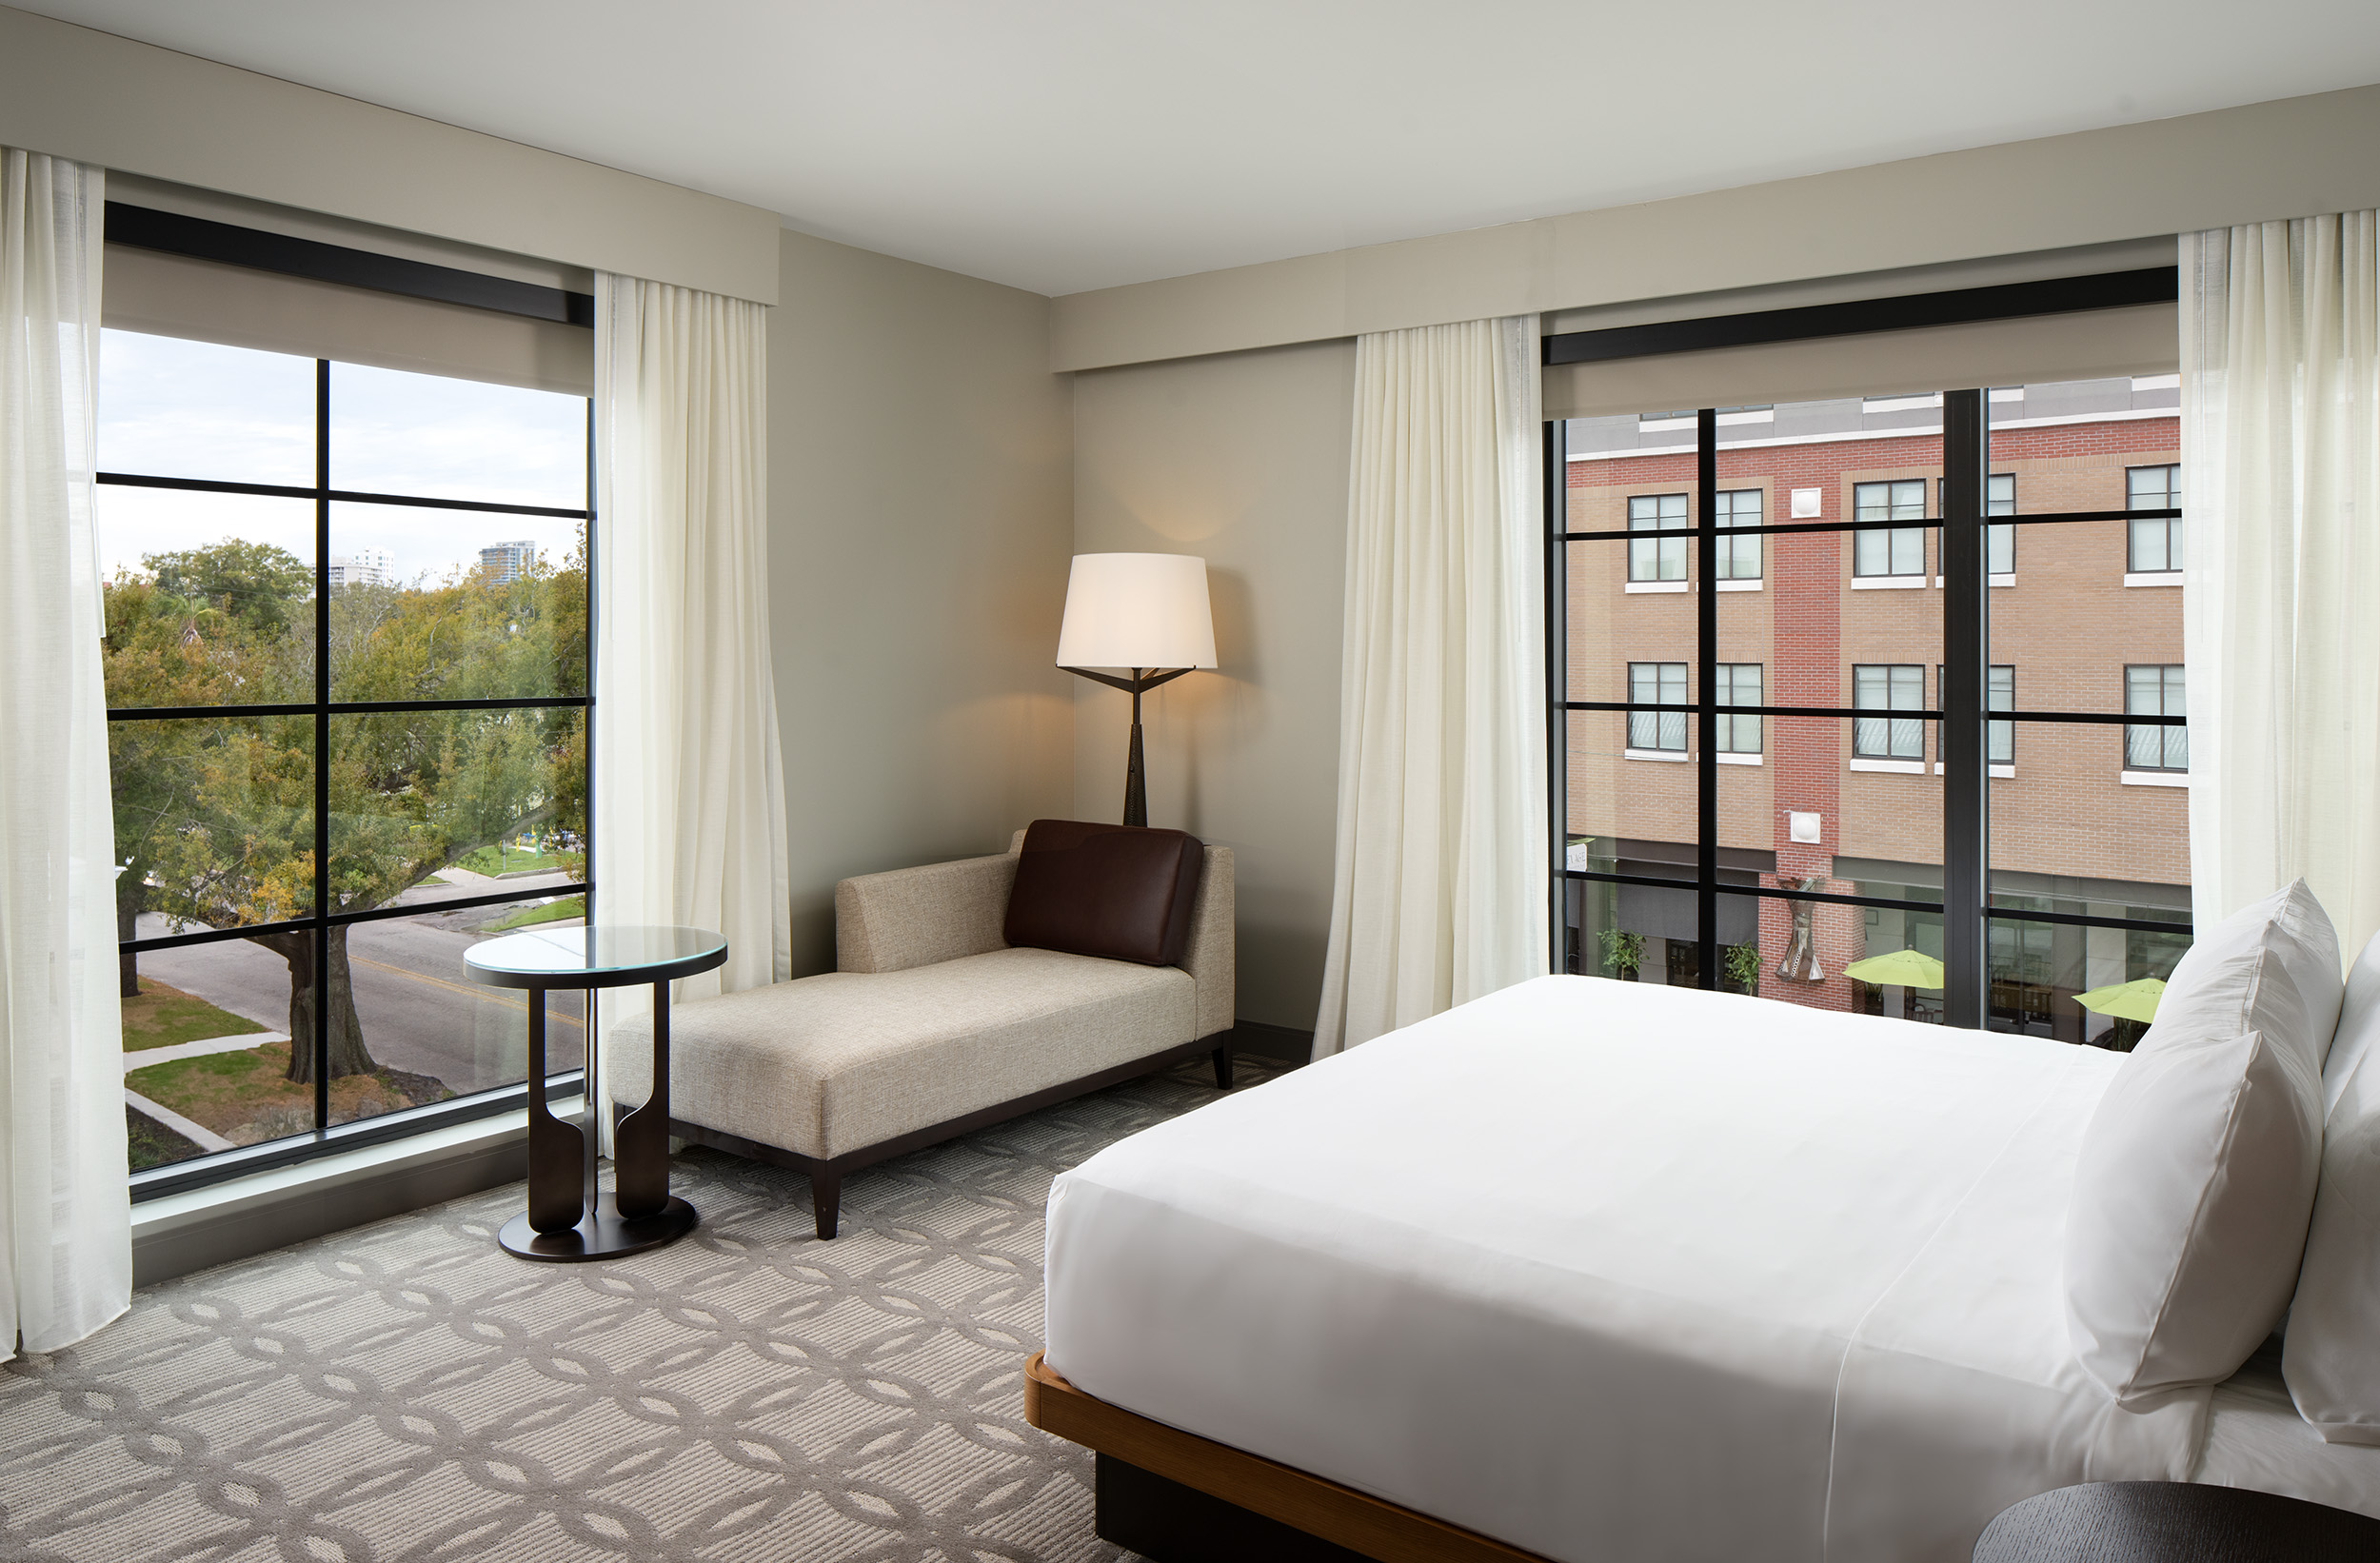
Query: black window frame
{"points": [[2167, 519], [228, 244], [1968, 906]]}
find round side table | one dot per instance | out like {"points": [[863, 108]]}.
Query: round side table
{"points": [[569, 1216], [2174, 1522]]}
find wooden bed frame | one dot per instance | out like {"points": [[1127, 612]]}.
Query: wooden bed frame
{"points": [[1180, 1498]]}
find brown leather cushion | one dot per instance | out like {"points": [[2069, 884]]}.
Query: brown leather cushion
{"points": [[1116, 891]]}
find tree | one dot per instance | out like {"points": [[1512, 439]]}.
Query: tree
{"points": [[215, 814]]}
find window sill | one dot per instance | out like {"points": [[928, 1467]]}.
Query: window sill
{"points": [[2153, 578], [2007, 579], [2155, 779], [1887, 582], [1898, 767], [1659, 585], [1999, 773], [1739, 586], [1726, 759], [1674, 757]]}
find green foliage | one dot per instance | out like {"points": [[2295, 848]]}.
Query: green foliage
{"points": [[1623, 952], [215, 814], [1741, 966]]}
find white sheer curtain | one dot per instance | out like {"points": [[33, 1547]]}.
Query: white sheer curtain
{"points": [[1439, 891], [689, 800], [66, 1267], [2281, 496]]}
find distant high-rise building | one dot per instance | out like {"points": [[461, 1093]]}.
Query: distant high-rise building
{"points": [[363, 567], [503, 562]]}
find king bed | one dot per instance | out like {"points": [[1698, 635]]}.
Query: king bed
{"points": [[1603, 1271]]}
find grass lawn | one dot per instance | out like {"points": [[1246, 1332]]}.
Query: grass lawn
{"points": [[246, 1098], [150, 1144], [162, 1017], [484, 860], [569, 906]]}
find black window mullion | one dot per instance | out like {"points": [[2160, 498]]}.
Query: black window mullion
{"points": [[1706, 675], [1966, 448], [322, 745]]}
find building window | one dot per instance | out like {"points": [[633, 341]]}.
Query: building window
{"points": [[1888, 687], [1656, 558], [2000, 541], [1901, 550], [2155, 543], [1657, 683], [1740, 556], [1999, 739], [2154, 689], [1739, 684]]}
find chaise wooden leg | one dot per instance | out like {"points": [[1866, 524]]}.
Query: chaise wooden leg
{"points": [[826, 1202], [1223, 1067]]}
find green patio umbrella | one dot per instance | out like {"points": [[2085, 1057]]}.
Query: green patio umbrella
{"points": [[2133, 1001], [1901, 969]]}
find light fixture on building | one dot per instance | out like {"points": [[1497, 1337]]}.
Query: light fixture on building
{"points": [[1147, 614]]}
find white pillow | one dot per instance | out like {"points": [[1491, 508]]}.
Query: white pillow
{"points": [[2273, 966], [2331, 1357], [2188, 1210]]}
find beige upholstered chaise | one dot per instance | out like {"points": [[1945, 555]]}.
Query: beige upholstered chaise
{"points": [[932, 1026]]}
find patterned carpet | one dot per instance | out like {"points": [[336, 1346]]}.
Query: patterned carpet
{"points": [[406, 1391]]}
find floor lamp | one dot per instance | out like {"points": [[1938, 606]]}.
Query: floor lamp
{"points": [[1147, 614]]}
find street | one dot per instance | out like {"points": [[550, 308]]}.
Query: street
{"points": [[420, 1011]]}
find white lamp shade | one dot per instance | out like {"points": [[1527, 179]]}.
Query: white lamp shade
{"points": [[1137, 610]]}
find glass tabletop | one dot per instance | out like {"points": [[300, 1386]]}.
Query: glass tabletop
{"points": [[593, 957]]}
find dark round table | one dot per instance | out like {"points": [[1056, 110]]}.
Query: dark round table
{"points": [[2170, 1521], [568, 1215]]}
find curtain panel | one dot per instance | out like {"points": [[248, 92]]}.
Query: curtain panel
{"points": [[1439, 891], [2281, 492], [689, 795], [66, 1266]]}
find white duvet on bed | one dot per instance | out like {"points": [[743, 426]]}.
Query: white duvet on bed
{"points": [[1615, 1271]]}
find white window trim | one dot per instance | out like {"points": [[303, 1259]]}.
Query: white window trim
{"points": [[2007, 579], [1898, 767], [1999, 773], [1887, 582], [1731, 757], [2155, 779], [1659, 586], [1741, 585], [2153, 578], [1674, 757]]}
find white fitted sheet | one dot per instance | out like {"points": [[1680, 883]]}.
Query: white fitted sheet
{"points": [[2255, 1438], [1614, 1272]]}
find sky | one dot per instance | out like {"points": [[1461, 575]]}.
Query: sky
{"points": [[174, 408]]}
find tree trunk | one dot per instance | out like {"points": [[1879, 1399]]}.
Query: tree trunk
{"points": [[347, 1054], [127, 975]]}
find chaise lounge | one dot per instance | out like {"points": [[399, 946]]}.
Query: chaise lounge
{"points": [[934, 1024]]}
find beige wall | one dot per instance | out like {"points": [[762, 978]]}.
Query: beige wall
{"points": [[919, 534], [2291, 158], [1240, 458]]}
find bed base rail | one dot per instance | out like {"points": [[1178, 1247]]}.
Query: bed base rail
{"points": [[1180, 1498]]}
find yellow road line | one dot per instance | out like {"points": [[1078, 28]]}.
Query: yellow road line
{"points": [[470, 990]]}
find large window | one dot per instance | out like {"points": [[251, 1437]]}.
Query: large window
{"points": [[1656, 558], [1900, 550], [2155, 542], [1839, 806], [1888, 687], [347, 684], [2155, 690]]}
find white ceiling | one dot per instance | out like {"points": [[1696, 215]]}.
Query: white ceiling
{"points": [[1061, 145]]}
